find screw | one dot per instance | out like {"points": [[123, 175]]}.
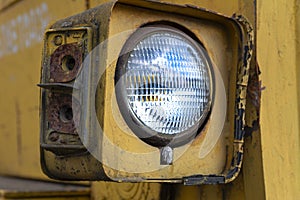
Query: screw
{"points": [[58, 40], [51, 80]]}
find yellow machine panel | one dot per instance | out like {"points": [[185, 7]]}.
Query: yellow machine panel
{"points": [[22, 26]]}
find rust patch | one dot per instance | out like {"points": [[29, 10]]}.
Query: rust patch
{"points": [[65, 63], [61, 115], [254, 98], [254, 89]]}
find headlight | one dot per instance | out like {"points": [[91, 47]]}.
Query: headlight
{"points": [[164, 85], [145, 91]]}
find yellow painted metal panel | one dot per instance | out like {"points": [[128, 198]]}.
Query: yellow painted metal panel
{"points": [[6, 3], [297, 4], [214, 162], [21, 32], [192, 192], [132, 191], [276, 47], [227, 8]]}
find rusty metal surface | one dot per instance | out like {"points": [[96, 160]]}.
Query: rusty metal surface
{"points": [[62, 154], [255, 88], [63, 54], [63, 112], [65, 62]]}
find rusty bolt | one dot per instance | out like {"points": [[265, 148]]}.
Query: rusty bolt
{"points": [[58, 40]]}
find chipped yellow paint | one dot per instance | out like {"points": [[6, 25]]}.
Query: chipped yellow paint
{"points": [[21, 32]]}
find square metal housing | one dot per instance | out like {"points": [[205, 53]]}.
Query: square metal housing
{"points": [[109, 150]]}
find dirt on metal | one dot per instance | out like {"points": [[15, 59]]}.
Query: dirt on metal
{"points": [[65, 63], [61, 115]]}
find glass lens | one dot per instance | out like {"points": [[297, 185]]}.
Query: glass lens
{"points": [[167, 82]]}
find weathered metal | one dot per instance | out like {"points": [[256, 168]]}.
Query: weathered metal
{"points": [[62, 113], [270, 167], [110, 17], [65, 62]]}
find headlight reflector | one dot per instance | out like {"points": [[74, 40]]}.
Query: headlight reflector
{"points": [[166, 82]]}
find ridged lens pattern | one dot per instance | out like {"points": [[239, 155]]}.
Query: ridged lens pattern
{"points": [[167, 82]]}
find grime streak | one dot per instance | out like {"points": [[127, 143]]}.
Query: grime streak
{"points": [[18, 131]]}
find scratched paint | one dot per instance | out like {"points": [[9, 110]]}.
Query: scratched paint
{"points": [[24, 30]]}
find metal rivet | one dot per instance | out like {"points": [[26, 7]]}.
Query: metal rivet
{"points": [[58, 40]]}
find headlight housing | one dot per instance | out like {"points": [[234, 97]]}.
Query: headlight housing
{"points": [[103, 142], [164, 85]]}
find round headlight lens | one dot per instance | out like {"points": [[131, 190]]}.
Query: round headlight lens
{"points": [[166, 81]]}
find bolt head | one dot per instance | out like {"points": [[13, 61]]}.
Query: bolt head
{"points": [[58, 40]]}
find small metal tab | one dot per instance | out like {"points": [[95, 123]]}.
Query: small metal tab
{"points": [[166, 155], [57, 86]]}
